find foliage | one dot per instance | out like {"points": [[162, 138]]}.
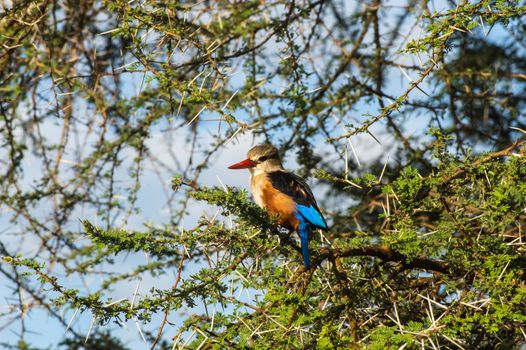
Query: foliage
{"points": [[100, 100]]}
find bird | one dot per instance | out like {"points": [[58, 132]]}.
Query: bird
{"points": [[283, 194]]}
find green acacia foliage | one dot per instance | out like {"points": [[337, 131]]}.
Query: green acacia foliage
{"points": [[425, 248]]}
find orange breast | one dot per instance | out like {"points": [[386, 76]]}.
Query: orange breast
{"points": [[276, 202]]}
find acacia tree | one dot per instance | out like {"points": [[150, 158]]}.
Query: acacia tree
{"points": [[425, 247]]}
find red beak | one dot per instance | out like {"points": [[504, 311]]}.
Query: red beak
{"points": [[247, 163]]}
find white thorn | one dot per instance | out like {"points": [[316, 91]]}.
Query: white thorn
{"points": [[195, 116], [90, 328], [230, 99], [140, 330], [135, 294], [72, 318]]}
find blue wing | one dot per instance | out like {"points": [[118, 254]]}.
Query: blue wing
{"points": [[312, 215]]}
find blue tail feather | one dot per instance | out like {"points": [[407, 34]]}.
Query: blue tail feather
{"points": [[304, 238]]}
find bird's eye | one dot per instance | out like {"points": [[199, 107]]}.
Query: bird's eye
{"points": [[262, 159]]}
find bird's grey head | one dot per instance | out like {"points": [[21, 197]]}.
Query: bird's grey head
{"points": [[266, 158], [260, 159]]}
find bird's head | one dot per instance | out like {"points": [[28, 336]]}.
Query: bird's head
{"points": [[260, 158]]}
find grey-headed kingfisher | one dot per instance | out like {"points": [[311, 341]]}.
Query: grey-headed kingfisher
{"points": [[283, 194]]}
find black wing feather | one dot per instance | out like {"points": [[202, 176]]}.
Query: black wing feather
{"points": [[293, 186]]}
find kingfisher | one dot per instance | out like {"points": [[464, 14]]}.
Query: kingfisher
{"points": [[283, 194]]}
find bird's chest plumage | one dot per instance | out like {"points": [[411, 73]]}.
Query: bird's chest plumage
{"points": [[257, 183], [276, 202]]}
